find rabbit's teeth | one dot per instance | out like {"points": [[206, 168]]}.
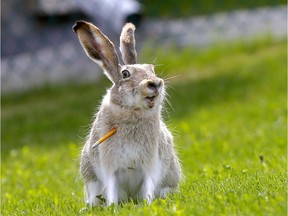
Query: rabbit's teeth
{"points": [[150, 101]]}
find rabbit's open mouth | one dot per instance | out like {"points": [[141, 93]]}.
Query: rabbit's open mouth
{"points": [[150, 101]]}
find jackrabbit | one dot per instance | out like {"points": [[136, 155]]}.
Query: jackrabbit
{"points": [[137, 160]]}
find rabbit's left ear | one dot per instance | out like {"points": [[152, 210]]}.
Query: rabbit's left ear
{"points": [[127, 44]]}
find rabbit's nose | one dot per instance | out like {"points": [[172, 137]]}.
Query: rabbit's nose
{"points": [[154, 86]]}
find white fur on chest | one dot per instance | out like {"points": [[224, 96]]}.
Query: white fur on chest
{"points": [[130, 147]]}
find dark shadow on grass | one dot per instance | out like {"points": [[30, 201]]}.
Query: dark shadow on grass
{"points": [[49, 117], [188, 97], [68, 120]]}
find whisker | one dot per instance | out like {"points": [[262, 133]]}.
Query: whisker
{"points": [[170, 104], [157, 65], [167, 112], [155, 59], [164, 69], [170, 87], [172, 77]]}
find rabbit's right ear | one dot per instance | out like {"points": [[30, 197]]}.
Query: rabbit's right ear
{"points": [[98, 48], [127, 44]]}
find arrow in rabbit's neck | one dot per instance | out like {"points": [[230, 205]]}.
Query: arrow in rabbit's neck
{"points": [[106, 136]]}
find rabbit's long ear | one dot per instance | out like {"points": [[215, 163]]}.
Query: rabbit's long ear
{"points": [[127, 44], [99, 48]]}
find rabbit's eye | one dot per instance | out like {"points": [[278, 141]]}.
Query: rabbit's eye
{"points": [[125, 74]]}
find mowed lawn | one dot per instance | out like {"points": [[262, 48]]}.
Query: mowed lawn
{"points": [[228, 116]]}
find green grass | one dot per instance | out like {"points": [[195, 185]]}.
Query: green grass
{"points": [[182, 8], [229, 122]]}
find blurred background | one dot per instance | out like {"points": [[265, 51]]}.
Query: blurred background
{"points": [[38, 46], [225, 67]]}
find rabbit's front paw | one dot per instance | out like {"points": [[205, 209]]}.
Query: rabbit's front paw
{"points": [[112, 196], [148, 190]]}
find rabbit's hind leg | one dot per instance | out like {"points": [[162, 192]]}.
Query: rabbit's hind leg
{"points": [[93, 192], [164, 191]]}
